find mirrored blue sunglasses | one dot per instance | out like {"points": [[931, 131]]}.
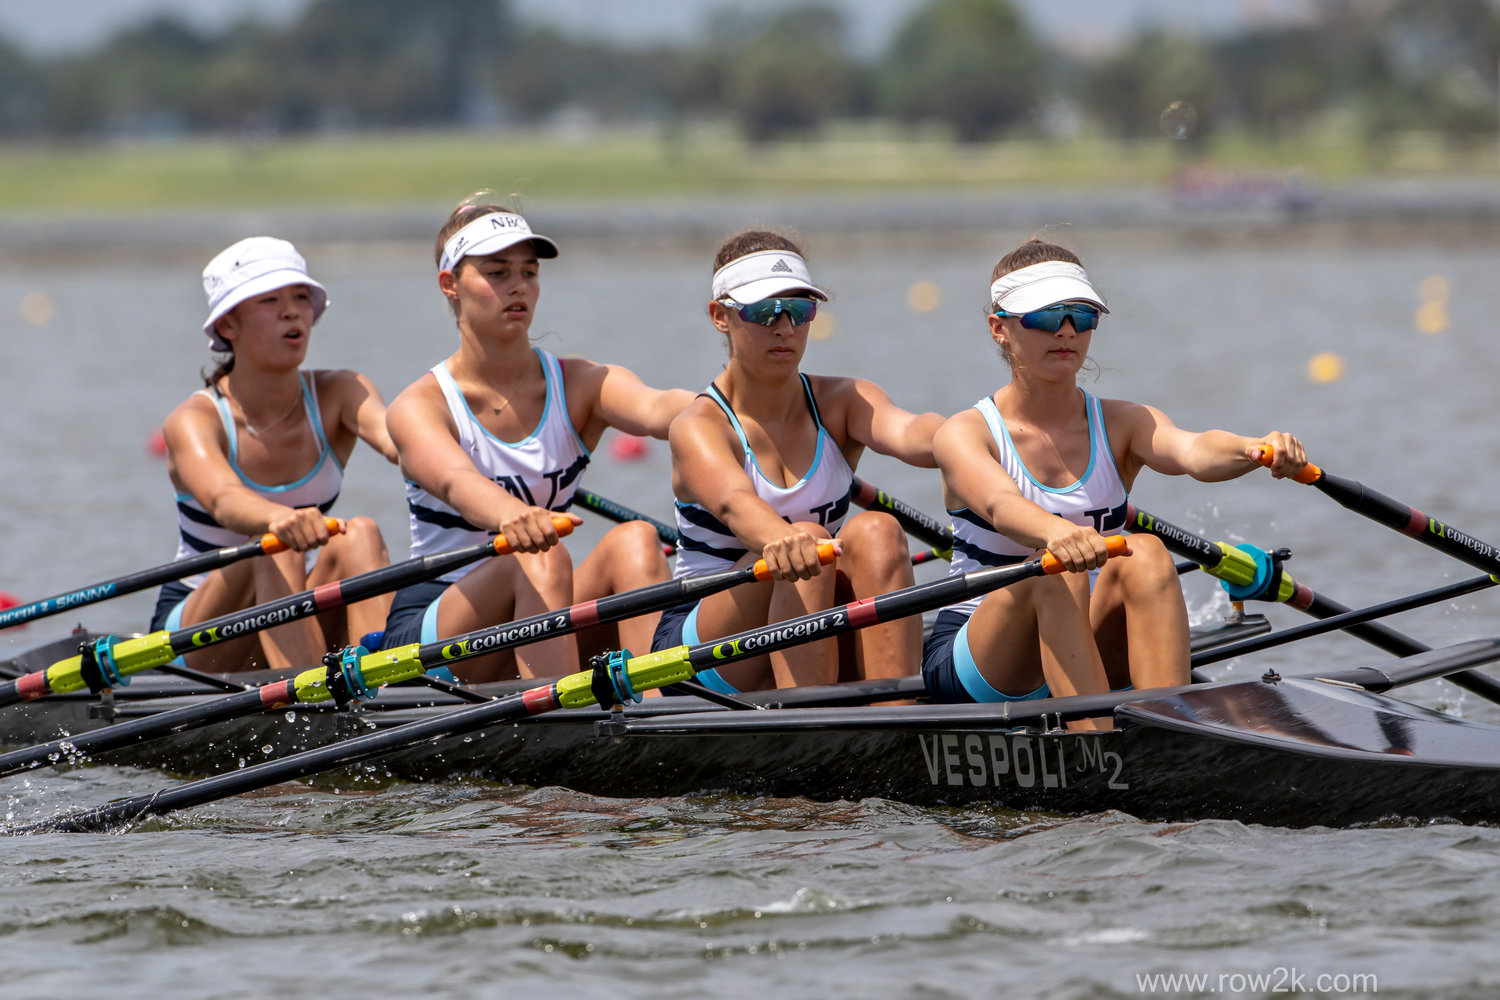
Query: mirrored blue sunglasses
{"points": [[766, 312], [1085, 317]]}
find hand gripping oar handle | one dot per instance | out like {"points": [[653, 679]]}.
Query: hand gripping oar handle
{"points": [[109, 661], [316, 685], [1398, 516], [573, 691], [203, 562]]}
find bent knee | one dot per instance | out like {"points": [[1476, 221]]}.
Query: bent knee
{"points": [[816, 530], [634, 537], [1149, 560]]}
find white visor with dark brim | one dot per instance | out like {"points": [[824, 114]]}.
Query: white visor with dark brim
{"points": [[764, 274], [1038, 286], [490, 234]]}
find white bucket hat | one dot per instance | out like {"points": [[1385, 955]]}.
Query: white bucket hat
{"points": [[764, 274], [490, 234], [251, 267], [1037, 286]]}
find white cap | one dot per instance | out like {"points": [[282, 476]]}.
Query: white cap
{"points": [[251, 267], [1037, 286], [764, 274], [491, 234]]}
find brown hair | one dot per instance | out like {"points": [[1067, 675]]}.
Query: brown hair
{"points": [[475, 206], [224, 367], [750, 241]]}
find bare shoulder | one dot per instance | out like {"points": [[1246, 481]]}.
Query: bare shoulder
{"points": [[197, 412], [1124, 414]]}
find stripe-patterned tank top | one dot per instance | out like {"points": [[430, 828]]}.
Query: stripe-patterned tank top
{"points": [[199, 532], [1098, 498], [706, 545], [541, 470]]}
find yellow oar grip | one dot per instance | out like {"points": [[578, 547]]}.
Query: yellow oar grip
{"points": [[647, 671], [131, 657]]}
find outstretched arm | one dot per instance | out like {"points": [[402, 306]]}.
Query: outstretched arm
{"points": [[1156, 443], [621, 400], [362, 412]]}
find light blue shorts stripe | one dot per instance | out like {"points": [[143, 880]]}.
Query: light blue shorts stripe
{"points": [[173, 623], [429, 621], [708, 678], [973, 681]]}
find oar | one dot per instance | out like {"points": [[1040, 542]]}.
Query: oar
{"points": [[358, 675], [1249, 573], [110, 661], [1393, 514], [611, 682], [624, 515], [915, 523], [204, 562]]}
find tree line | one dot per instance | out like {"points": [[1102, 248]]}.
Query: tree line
{"points": [[974, 68]]}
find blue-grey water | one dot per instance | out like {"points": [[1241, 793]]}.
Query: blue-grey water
{"points": [[357, 887]]}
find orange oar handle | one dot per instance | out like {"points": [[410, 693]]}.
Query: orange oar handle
{"points": [[564, 524], [1310, 473], [826, 555], [269, 543], [1116, 544]]}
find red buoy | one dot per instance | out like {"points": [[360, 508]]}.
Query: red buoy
{"points": [[156, 443], [8, 600], [627, 448]]}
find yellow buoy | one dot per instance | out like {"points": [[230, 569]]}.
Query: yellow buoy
{"points": [[1325, 367], [36, 309], [923, 296], [1432, 317]]}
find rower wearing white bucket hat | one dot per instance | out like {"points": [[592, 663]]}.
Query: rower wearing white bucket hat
{"points": [[1041, 464], [495, 438], [261, 449], [763, 466]]}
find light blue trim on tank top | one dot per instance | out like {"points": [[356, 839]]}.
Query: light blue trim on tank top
{"points": [[973, 681], [1091, 410], [314, 417], [734, 422], [550, 378], [710, 678]]}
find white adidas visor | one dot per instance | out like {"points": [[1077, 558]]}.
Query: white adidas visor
{"points": [[490, 234], [1038, 286], [764, 274]]}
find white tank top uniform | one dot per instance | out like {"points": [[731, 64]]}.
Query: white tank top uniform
{"points": [[1098, 499], [542, 470], [706, 545], [198, 532]]}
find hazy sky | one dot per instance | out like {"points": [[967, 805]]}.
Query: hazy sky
{"points": [[47, 26]]}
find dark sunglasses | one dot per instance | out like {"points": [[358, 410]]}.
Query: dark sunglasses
{"points": [[1050, 319], [767, 311]]}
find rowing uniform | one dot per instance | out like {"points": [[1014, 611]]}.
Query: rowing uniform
{"points": [[198, 532], [1098, 499], [706, 545], [541, 470]]}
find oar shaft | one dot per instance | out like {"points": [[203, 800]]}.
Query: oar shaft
{"points": [[619, 512], [912, 520], [203, 562], [575, 690], [1396, 515], [131, 656]]}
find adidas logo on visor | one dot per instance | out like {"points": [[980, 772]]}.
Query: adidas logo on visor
{"points": [[780, 266]]}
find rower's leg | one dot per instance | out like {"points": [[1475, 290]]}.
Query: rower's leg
{"points": [[500, 590], [222, 591], [876, 561], [360, 548], [1139, 618], [628, 557], [1035, 632], [298, 643]]}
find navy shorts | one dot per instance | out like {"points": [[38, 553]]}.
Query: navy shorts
{"points": [[168, 613], [413, 614], [679, 627], [949, 670]]}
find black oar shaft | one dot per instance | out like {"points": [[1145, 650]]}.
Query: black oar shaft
{"points": [[913, 521], [619, 512], [1410, 521]]}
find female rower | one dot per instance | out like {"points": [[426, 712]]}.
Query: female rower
{"points": [[1042, 464], [762, 465], [261, 449], [494, 438]]}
